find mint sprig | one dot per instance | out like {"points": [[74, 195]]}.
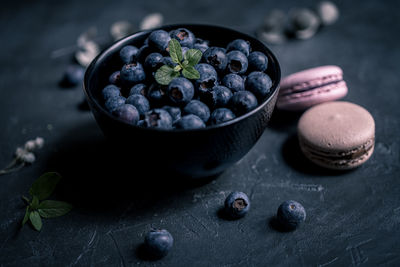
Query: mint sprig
{"points": [[186, 63], [41, 189]]}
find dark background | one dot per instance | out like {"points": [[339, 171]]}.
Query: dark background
{"points": [[353, 217]]}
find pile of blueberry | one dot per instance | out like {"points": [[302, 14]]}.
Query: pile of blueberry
{"points": [[232, 81]]}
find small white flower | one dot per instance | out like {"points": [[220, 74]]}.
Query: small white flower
{"points": [[19, 152], [30, 145], [39, 142], [28, 157], [151, 21]]}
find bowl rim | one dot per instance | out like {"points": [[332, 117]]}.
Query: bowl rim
{"points": [[98, 60]]}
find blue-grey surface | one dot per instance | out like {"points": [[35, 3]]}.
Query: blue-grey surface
{"points": [[353, 218]]}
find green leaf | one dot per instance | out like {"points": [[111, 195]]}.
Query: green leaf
{"points": [[177, 68], [165, 74], [175, 51], [44, 186], [35, 203], [193, 57], [191, 73], [26, 217], [53, 208], [27, 201], [35, 219]]}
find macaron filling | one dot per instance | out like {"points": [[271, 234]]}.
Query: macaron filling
{"points": [[312, 84]]}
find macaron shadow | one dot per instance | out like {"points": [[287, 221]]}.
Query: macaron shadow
{"points": [[284, 121], [295, 158]]}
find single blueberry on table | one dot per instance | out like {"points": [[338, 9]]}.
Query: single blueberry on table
{"points": [[175, 113], [208, 77], [190, 121], [153, 62], [128, 53], [234, 82], [73, 76], [258, 83], [216, 57], [291, 214], [157, 94], [197, 108], [159, 40], [242, 102], [257, 61], [127, 113], [180, 91], [115, 78], [237, 204], [158, 242], [113, 102], [221, 115], [140, 102], [110, 91], [158, 118], [132, 73], [237, 62], [240, 45], [138, 89], [184, 37]]}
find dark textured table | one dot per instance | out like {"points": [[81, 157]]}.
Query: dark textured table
{"points": [[353, 217]]}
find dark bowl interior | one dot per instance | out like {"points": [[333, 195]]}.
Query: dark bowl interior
{"points": [[193, 153]]}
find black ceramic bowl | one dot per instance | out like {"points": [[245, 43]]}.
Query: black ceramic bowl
{"points": [[194, 153]]}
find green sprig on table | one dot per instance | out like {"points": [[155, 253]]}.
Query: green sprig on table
{"points": [[38, 207], [185, 63]]}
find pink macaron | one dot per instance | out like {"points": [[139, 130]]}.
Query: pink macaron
{"points": [[307, 88]]}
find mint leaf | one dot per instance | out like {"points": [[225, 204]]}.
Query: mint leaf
{"points": [[165, 74], [35, 203], [26, 216], [53, 208], [35, 219], [44, 186], [191, 73], [175, 51], [193, 57]]}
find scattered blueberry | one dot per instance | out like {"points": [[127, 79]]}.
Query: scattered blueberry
{"points": [[153, 62], [158, 118], [221, 115], [138, 89], [291, 214], [127, 113], [237, 62], [258, 83], [140, 102], [198, 108], [234, 82], [190, 121], [237, 204], [132, 73], [180, 91], [216, 57], [175, 113], [240, 45], [128, 53], [158, 242], [257, 61], [73, 76], [115, 78], [159, 40], [242, 102], [113, 102], [184, 37]]}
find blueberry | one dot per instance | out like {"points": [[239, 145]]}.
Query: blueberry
{"points": [[168, 61], [153, 62], [190, 121], [184, 50], [201, 47], [216, 57], [242, 102], [198, 108], [115, 77], [257, 61], [258, 83], [156, 94], [233, 82], [237, 204], [184, 36], [73, 75], [202, 42], [240, 45], [223, 95], [237, 62], [158, 243], [208, 77], [138, 89], [291, 214], [132, 73], [128, 53], [158, 118], [113, 102], [159, 40], [140, 102], [175, 113], [110, 91], [143, 52], [127, 113], [180, 91], [221, 115], [141, 123]]}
